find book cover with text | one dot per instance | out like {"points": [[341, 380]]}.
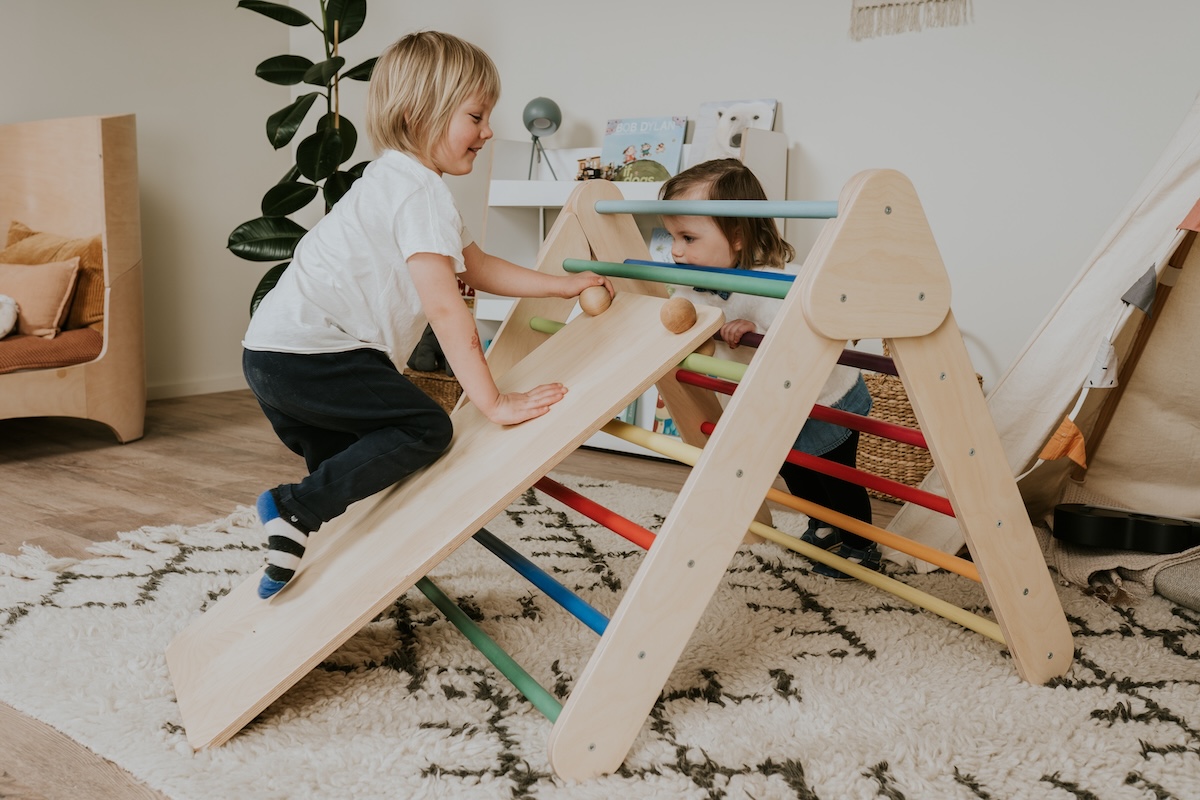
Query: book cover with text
{"points": [[642, 148]]}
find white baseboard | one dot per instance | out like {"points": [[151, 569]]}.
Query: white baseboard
{"points": [[165, 391]]}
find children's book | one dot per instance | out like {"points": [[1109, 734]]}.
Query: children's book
{"points": [[720, 124], [642, 148]]}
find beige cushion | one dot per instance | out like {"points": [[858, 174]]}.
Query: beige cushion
{"points": [[27, 246], [43, 294]]}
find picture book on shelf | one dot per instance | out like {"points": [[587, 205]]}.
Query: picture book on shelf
{"points": [[660, 246], [720, 124], [642, 148]]}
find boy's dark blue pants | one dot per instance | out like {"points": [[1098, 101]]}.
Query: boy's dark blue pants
{"points": [[360, 425]]}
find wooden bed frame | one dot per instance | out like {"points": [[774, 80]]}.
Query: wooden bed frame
{"points": [[78, 177]]}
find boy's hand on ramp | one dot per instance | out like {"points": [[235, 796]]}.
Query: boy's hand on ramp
{"points": [[516, 407]]}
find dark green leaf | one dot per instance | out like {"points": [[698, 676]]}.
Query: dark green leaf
{"points": [[349, 14], [266, 284], [285, 14], [284, 70], [283, 124], [265, 239], [321, 73], [362, 72], [336, 186], [348, 133], [292, 173], [287, 198], [318, 155], [358, 169]]}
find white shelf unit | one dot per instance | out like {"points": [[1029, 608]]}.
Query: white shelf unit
{"points": [[520, 210]]}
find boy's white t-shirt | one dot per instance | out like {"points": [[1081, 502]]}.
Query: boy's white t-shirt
{"points": [[761, 311], [348, 286]]}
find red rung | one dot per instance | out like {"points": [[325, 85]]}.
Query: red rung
{"points": [[908, 494], [855, 422], [597, 513]]}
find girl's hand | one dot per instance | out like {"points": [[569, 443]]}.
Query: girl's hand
{"points": [[575, 284], [516, 407], [732, 332]]}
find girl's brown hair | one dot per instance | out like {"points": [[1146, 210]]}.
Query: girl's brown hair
{"points": [[730, 179], [417, 84]]}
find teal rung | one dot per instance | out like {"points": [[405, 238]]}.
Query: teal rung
{"points": [[534, 692], [744, 284], [787, 209]]}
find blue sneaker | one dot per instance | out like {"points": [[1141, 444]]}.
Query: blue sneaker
{"points": [[822, 535], [868, 557]]}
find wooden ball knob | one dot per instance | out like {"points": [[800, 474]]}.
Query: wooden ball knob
{"points": [[678, 314], [594, 300], [707, 348]]}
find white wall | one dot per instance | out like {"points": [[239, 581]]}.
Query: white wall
{"points": [[1024, 132]]}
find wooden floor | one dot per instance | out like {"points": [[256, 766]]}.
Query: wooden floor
{"points": [[68, 484]]}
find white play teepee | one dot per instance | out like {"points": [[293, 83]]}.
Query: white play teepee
{"points": [[1150, 449]]}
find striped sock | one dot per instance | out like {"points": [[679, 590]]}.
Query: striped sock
{"points": [[285, 546]]}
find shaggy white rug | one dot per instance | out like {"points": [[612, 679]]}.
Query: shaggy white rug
{"points": [[793, 685]]}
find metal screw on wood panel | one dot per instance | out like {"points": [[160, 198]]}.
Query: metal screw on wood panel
{"points": [[739, 473], [1025, 592], [942, 377], [999, 523], [887, 209], [971, 452], [591, 747], [642, 654], [691, 562], [787, 384], [921, 296], [843, 298], [1049, 656]]}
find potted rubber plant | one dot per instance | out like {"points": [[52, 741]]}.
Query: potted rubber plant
{"points": [[321, 156]]}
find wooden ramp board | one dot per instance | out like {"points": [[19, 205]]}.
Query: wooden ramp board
{"points": [[240, 655]]}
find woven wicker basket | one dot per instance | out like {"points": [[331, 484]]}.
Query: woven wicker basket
{"points": [[441, 387], [904, 463]]}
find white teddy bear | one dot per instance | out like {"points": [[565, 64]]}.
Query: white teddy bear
{"points": [[731, 121], [8, 315]]}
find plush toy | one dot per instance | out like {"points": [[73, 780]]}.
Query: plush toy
{"points": [[427, 356], [8, 315]]}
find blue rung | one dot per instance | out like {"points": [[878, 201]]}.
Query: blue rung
{"points": [[531, 572], [787, 209]]}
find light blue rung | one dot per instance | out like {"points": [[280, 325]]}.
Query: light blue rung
{"points": [[787, 209]]}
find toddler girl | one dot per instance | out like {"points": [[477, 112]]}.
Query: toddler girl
{"points": [[751, 243]]}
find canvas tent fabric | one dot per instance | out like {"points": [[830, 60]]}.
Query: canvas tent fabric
{"points": [[1152, 443]]}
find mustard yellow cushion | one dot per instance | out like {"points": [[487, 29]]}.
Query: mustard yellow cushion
{"points": [[43, 294], [27, 246]]}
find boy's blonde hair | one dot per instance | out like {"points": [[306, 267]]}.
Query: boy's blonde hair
{"points": [[730, 179], [417, 84]]}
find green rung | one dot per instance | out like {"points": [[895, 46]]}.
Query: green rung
{"points": [[744, 284], [534, 692], [705, 365]]}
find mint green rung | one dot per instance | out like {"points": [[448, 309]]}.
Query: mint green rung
{"points": [[744, 284], [541, 699], [705, 365], [717, 367], [785, 209], [543, 325]]}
